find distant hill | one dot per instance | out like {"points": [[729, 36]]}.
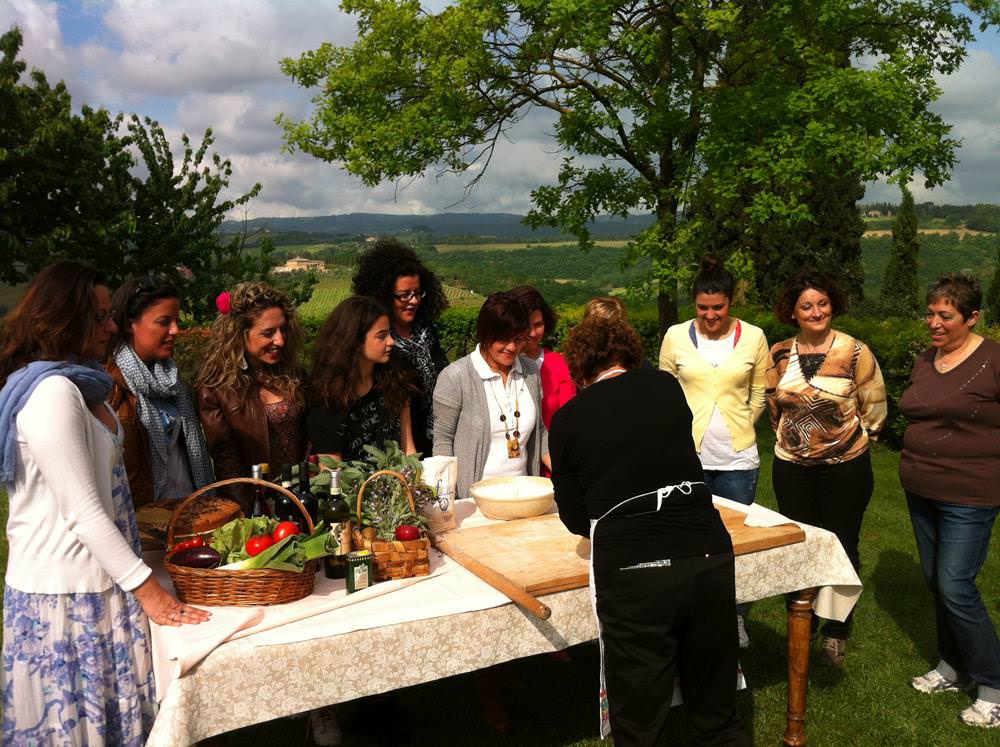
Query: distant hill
{"points": [[487, 225]]}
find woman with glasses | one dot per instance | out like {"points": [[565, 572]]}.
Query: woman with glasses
{"points": [[392, 274], [166, 457], [77, 661], [488, 405], [250, 384]]}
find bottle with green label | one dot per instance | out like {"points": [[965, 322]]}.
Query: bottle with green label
{"points": [[337, 516]]}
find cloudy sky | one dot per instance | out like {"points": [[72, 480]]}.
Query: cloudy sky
{"points": [[192, 64]]}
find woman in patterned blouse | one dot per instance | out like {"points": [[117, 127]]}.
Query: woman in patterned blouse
{"points": [[392, 274], [826, 398]]}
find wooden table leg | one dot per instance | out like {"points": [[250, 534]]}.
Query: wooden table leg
{"points": [[800, 606]]}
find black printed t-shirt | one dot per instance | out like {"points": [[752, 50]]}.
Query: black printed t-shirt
{"points": [[334, 431]]}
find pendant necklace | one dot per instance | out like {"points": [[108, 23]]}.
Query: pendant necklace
{"points": [[513, 439]]}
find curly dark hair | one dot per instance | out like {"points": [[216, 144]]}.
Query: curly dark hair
{"points": [[784, 307], [596, 344], [335, 356], [387, 261]]}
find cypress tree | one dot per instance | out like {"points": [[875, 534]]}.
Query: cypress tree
{"points": [[899, 284], [991, 303]]}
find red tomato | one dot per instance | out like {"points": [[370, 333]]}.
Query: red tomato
{"points": [[285, 529], [187, 544], [405, 532], [257, 545]]}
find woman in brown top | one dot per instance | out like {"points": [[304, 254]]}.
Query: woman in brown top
{"points": [[250, 383], [826, 398], [950, 469]]}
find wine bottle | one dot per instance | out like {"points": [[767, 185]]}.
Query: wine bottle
{"points": [[259, 495], [284, 509], [305, 494], [338, 518]]}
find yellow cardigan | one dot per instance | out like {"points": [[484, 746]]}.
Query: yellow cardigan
{"points": [[737, 386]]}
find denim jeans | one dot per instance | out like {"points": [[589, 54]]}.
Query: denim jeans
{"points": [[953, 541], [738, 485]]}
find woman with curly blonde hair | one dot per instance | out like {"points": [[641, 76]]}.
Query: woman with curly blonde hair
{"points": [[249, 383]]}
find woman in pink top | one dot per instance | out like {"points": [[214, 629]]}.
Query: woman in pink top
{"points": [[557, 385]]}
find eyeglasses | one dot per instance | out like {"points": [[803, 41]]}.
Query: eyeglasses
{"points": [[409, 295]]}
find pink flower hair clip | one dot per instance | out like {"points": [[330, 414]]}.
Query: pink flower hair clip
{"points": [[223, 302]]}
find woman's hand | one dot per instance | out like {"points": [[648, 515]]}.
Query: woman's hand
{"points": [[164, 609]]}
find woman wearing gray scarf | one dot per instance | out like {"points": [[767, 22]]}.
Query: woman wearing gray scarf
{"points": [[165, 453]]}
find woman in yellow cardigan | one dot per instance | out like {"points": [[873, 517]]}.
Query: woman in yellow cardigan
{"points": [[720, 362]]}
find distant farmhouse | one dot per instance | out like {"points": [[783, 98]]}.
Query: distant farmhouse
{"points": [[302, 264]]}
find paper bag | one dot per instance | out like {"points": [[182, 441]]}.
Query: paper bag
{"points": [[441, 473]]}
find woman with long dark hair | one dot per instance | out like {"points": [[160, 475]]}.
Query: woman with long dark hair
{"points": [[166, 456], [249, 383], [358, 393], [77, 664], [392, 274]]}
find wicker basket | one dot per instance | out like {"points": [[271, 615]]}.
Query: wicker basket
{"points": [[251, 588], [399, 558]]}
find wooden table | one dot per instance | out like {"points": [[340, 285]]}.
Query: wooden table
{"points": [[208, 700]]}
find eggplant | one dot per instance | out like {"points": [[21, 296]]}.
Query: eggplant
{"points": [[197, 557]]}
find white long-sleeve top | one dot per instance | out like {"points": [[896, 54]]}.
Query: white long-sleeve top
{"points": [[61, 529]]}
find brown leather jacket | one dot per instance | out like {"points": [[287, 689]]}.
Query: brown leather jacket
{"points": [[237, 434], [137, 461]]}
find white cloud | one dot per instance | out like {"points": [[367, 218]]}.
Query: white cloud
{"points": [[194, 64]]}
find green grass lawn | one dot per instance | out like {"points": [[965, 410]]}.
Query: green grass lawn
{"points": [[869, 702]]}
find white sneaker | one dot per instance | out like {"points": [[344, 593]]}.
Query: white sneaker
{"points": [[982, 713], [741, 626], [325, 727], [935, 682]]}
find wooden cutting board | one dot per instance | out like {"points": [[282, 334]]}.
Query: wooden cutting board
{"points": [[542, 557]]}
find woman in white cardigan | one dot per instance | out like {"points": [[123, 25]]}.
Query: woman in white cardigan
{"points": [[487, 405], [76, 652]]}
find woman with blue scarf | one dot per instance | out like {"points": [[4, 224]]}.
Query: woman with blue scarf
{"points": [[165, 453], [77, 663]]}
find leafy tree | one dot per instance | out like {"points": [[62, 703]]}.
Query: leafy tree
{"points": [[992, 300], [899, 287], [651, 98], [62, 175], [108, 190]]}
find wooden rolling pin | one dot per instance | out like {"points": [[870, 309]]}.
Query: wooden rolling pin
{"points": [[498, 581]]}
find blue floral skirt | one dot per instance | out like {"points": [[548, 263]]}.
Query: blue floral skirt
{"points": [[77, 669]]}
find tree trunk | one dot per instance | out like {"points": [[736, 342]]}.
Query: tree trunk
{"points": [[666, 304], [666, 297]]}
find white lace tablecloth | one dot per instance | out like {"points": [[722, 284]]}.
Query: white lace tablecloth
{"points": [[259, 677]]}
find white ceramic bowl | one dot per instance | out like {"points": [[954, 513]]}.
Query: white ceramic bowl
{"points": [[509, 498]]}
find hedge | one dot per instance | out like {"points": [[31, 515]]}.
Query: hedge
{"points": [[894, 341]]}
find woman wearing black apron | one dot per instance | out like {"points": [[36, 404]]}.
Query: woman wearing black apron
{"points": [[627, 475]]}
